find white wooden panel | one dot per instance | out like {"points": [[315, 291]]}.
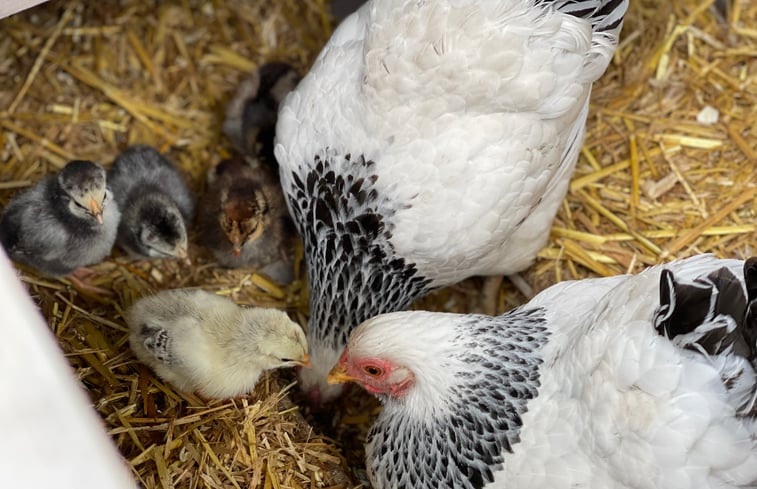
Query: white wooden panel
{"points": [[50, 436], [10, 7]]}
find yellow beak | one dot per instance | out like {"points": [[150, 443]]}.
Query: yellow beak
{"points": [[96, 210], [305, 362], [338, 375], [236, 241]]}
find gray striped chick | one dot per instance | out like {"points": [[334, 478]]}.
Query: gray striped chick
{"points": [[156, 203], [64, 222]]}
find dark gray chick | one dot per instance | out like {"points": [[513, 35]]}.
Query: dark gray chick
{"points": [[243, 220], [251, 115], [156, 203], [342, 8], [64, 222]]}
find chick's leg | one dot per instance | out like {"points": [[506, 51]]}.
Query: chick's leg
{"points": [[79, 279]]}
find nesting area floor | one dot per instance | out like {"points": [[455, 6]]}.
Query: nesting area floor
{"points": [[667, 170]]}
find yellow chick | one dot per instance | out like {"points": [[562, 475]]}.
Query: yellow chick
{"points": [[201, 342]]}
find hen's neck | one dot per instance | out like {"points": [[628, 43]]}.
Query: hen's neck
{"points": [[353, 270]]}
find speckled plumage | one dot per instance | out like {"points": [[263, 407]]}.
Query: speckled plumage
{"points": [[155, 201], [462, 121], [481, 421], [203, 342], [644, 381], [50, 227]]}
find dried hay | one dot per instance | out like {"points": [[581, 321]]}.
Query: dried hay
{"points": [[86, 79]]}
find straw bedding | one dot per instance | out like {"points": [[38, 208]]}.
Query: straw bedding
{"points": [[668, 170]]}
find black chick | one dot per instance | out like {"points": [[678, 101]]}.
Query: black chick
{"points": [[64, 222], [156, 203], [243, 219], [251, 115], [342, 8]]}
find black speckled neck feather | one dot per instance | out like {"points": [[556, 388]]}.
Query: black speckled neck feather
{"points": [[353, 270]]}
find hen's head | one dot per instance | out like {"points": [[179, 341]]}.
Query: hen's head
{"points": [[379, 375], [406, 357]]}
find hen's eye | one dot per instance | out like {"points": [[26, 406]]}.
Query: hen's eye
{"points": [[373, 371]]}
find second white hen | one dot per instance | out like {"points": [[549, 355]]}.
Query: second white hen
{"points": [[637, 381], [433, 141], [205, 343]]}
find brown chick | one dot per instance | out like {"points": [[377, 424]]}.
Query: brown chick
{"points": [[243, 219]]}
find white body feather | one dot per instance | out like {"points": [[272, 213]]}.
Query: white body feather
{"points": [[621, 406], [473, 113], [432, 141]]}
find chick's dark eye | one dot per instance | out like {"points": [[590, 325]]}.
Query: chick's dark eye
{"points": [[373, 370]]}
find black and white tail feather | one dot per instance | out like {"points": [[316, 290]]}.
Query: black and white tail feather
{"points": [[606, 17], [716, 315]]}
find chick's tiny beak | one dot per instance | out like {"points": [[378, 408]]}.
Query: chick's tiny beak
{"points": [[338, 375], [236, 241], [305, 362], [96, 210]]}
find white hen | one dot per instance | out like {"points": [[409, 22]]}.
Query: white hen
{"points": [[643, 381], [433, 141]]}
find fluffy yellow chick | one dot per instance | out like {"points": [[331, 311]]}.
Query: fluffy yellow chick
{"points": [[201, 342]]}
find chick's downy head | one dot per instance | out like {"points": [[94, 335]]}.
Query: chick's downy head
{"points": [[162, 231], [84, 183], [276, 340], [242, 216]]}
